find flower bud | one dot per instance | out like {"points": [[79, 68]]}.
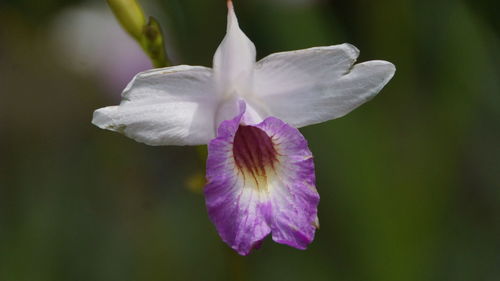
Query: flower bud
{"points": [[153, 44]]}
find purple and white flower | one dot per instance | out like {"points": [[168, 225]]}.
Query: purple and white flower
{"points": [[260, 171]]}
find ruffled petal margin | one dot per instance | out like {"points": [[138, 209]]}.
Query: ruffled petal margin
{"points": [[260, 180]]}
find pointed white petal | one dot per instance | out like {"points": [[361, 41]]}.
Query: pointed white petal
{"points": [[315, 85], [234, 59], [169, 106]]}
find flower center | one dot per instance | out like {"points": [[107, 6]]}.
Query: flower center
{"points": [[255, 156]]}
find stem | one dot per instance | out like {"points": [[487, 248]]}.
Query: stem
{"points": [[148, 34]]}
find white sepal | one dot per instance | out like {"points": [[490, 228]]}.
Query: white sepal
{"points": [[314, 85], [168, 106], [234, 59]]}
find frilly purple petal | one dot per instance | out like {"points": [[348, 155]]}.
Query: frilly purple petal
{"points": [[260, 180]]}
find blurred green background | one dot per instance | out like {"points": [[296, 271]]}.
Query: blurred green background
{"points": [[409, 182]]}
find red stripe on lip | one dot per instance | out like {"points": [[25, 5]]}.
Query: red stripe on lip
{"points": [[254, 154]]}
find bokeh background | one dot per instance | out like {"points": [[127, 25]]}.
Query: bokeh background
{"points": [[409, 182]]}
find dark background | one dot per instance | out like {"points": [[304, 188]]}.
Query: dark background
{"points": [[409, 182]]}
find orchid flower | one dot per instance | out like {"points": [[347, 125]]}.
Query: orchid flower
{"points": [[260, 171]]}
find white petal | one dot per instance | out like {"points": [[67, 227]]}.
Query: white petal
{"points": [[315, 85], [169, 106], [234, 60], [230, 108]]}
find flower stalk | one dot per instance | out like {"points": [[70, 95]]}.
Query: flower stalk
{"points": [[147, 33]]}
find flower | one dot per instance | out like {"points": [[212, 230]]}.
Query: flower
{"points": [[260, 171]]}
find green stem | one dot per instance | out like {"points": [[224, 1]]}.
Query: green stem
{"points": [[148, 34]]}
